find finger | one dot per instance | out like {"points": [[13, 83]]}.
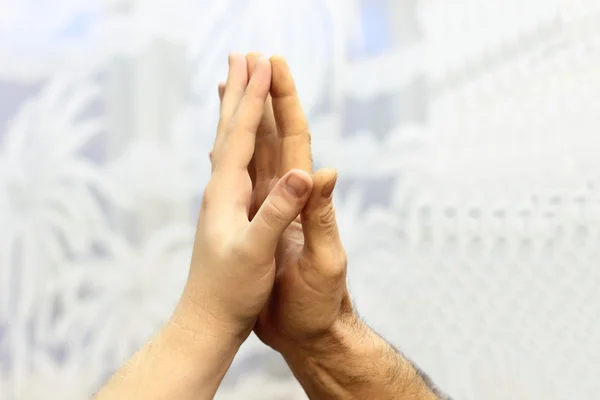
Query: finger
{"points": [[266, 148], [251, 62], [237, 81], [321, 235], [292, 125], [235, 87], [283, 204], [238, 145]]}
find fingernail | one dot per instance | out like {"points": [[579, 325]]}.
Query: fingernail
{"points": [[328, 188], [296, 186]]}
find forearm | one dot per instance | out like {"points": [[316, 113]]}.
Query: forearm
{"points": [[356, 363], [178, 363]]}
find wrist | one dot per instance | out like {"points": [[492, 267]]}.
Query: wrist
{"points": [[205, 347], [341, 336], [342, 364], [206, 318], [341, 343], [197, 324], [353, 361]]}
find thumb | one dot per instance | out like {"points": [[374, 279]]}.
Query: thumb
{"points": [[283, 204], [321, 237]]}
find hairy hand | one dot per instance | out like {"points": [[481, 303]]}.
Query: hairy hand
{"points": [[310, 293], [233, 267]]}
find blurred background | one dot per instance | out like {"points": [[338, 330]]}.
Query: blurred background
{"points": [[466, 135]]}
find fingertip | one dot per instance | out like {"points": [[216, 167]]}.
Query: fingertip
{"points": [[279, 61], [329, 177], [238, 70], [298, 183], [251, 58], [318, 216], [325, 180], [282, 80], [262, 62], [253, 55], [261, 75], [235, 58]]}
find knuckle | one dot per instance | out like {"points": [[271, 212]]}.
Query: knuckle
{"points": [[243, 251], [217, 243], [225, 123], [334, 273], [231, 124], [246, 252], [336, 268], [225, 141], [330, 264], [343, 260], [214, 159], [274, 212], [207, 197], [213, 244], [256, 96], [244, 123], [300, 131], [326, 219]]}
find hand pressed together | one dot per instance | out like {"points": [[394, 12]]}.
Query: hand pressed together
{"points": [[310, 294], [233, 266], [267, 257]]}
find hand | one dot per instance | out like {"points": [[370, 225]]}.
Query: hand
{"points": [[266, 261], [233, 267], [310, 296], [309, 317]]}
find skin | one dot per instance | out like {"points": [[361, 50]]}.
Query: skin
{"points": [[309, 318], [310, 289], [267, 257]]}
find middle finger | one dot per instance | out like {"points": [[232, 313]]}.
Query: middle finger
{"points": [[266, 150], [292, 125]]}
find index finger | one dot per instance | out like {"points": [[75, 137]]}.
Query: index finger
{"points": [[238, 144], [231, 179], [292, 125], [232, 93]]}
